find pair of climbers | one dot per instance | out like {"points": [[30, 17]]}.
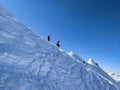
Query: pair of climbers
{"points": [[57, 43]]}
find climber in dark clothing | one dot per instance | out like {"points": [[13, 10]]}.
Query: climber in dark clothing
{"points": [[58, 43], [48, 38]]}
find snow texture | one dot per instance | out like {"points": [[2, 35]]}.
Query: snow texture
{"points": [[115, 76], [30, 62]]}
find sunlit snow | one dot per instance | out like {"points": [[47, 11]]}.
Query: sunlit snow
{"points": [[30, 62]]}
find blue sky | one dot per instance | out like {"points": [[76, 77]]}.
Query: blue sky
{"points": [[91, 28]]}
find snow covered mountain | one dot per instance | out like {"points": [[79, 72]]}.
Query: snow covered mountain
{"points": [[29, 62], [115, 76]]}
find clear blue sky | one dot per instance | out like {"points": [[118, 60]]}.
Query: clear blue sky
{"points": [[90, 28]]}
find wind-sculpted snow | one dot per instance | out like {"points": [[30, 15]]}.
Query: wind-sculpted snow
{"points": [[115, 76], [29, 62]]}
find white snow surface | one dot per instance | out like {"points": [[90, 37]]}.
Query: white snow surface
{"points": [[29, 62], [92, 62], [115, 76]]}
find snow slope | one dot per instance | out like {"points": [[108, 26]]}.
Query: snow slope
{"points": [[29, 62], [115, 76], [91, 65]]}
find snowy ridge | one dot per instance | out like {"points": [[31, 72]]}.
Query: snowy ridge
{"points": [[91, 65], [29, 62], [75, 56], [92, 62]]}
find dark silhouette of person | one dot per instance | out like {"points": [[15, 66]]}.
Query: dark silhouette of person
{"points": [[48, 37], [58, 43]]}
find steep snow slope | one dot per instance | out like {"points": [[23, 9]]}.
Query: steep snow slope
{"points": [[91, 65], [115, 76], [75, 57], [29, 62]]}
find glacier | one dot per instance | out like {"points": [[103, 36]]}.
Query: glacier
{"points": [[29, 62]]}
